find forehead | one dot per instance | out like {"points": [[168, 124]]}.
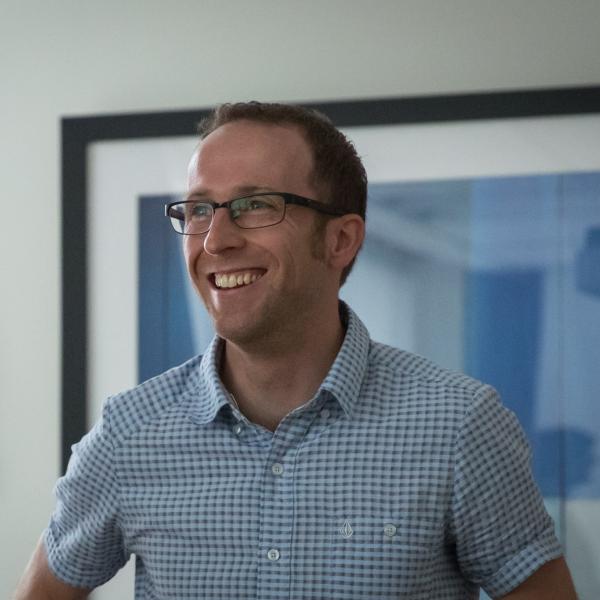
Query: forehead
{"points": [[251, 154]]}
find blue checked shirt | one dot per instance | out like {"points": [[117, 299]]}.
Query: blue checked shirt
{"points": [[397, 480]]}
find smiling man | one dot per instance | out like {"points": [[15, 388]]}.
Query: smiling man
{"points": [[282, 327], [296, 458]]}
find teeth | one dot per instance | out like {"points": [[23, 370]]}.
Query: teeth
{"points": [[235, 280]]}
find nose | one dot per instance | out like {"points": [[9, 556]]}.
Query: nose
{"points": [[223, 234]]}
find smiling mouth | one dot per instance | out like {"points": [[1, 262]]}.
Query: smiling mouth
{"points": [[234, 280]]}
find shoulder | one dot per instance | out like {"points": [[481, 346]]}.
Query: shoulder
{"points": [[409, 380], [419, 370], [168, 393]]}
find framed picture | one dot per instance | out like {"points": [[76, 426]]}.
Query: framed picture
{"points": [[482, 252]]}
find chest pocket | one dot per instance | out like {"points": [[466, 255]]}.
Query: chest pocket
{"points": [[379, 557]]}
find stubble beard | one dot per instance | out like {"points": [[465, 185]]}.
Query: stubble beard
{"points": [[274, 330], [282, 320]]}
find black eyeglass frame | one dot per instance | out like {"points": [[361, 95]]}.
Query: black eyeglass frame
{"points": [[287, 199]]}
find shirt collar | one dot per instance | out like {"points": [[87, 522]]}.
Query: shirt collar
{"points": [[209, 392], [343, 381], [347, 372]]}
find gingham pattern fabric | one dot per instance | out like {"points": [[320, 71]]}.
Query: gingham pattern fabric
{"points": [[397, 480]]}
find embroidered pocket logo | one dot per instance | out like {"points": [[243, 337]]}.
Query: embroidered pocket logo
{"points": [[346, 529]]}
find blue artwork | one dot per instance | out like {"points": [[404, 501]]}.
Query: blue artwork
{"points": [[164, 332], [497, 277]]}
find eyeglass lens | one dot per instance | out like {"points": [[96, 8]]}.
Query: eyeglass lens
{"points": [[250, 212]]}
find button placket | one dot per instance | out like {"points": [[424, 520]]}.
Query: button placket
{"points": [[277, 504]]}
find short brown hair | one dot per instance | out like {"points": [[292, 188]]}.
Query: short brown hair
{"points": [[338, 170]]}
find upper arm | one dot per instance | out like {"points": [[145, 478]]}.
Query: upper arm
{"points": [[84, 540], [552, 581], [502, 531], [40, 583]]}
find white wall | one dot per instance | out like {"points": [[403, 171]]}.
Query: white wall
{"points": [[78, 58]]}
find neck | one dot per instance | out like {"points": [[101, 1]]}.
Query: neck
{"points": [[269, 381]]}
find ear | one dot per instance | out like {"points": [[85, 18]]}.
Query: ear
{"points": [[343, 239]]}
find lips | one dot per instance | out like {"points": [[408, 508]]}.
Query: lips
{"points": [[235, 279]]}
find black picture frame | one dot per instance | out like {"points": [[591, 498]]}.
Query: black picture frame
{"points": [[78, 133]]}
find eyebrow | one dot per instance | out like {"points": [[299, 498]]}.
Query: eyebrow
{"points": [[239, 192]]}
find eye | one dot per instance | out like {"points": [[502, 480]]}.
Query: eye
{"points": [[200, 211], [256, 204], [245, 206]]}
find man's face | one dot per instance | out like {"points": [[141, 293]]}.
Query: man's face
{"points": [[283, 283]]}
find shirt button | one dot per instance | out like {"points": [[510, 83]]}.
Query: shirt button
{"points": [[325, 413], [238, 429], [277, 469], [273, 554], [389, 530]]}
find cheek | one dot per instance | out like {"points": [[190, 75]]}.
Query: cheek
{"points": [[300, 266], [192, 249]]}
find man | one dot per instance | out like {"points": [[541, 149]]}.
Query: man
{"points": [[296, 458]]}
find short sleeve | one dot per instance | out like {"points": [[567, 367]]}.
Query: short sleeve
{"points": [[83, 540], [501, 528]]}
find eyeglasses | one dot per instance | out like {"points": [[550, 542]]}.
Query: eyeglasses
{"points": [[194, 217]]}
